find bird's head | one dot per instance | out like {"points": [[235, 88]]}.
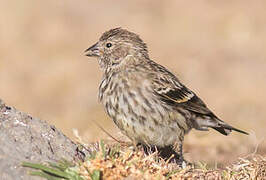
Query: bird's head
{"points": [[117, 46]]}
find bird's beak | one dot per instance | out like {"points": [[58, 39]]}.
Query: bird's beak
{"points": [[93, 50]]}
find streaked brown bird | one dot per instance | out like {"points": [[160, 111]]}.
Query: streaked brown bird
{"points": [[146, 101]]}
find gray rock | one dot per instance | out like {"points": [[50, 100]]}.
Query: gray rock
{"points": [[24, 138]]}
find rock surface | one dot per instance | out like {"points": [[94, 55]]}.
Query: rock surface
{"points": [[24, 138]]}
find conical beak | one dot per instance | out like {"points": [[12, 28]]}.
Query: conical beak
{"points": [[93, 51]]}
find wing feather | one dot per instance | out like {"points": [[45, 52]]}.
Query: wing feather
{"points": [[182, 96], [171, 91]]}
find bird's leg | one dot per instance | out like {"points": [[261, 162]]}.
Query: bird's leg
{"points": [[168, 153], [182, 162], [181, 158]]}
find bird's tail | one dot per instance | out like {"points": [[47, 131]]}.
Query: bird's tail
{"points": [[226, 129], [204, 122]]}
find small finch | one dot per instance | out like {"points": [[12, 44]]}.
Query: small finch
{"points": [[146, 101]]}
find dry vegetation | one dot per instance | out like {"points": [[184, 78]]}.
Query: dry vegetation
{"points": [[118, 161], [216, 47]]}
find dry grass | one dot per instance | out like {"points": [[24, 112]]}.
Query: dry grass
{"points": [[119, 161], [116, 161]]}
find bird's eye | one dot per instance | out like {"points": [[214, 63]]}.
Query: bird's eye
{"points": [[108, 45]]}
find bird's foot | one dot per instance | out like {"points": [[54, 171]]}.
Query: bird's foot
{"points": [[168, 154]]}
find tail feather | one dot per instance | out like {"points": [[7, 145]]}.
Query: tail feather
{"points": [[226, 129], [211, 121], [223, 130]]}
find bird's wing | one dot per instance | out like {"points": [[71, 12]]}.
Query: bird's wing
{"points": [[172, 92], [183, 97]]}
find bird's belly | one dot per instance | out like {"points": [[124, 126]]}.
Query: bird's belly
{"points": [[149, 133], [143, 124]]}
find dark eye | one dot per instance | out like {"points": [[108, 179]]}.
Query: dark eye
{"points": [[108, 45]]}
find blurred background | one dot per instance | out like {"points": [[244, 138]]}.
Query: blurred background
{"points": [[217, 48]]}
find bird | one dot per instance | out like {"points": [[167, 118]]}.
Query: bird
{"points": [[147, 102]]}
